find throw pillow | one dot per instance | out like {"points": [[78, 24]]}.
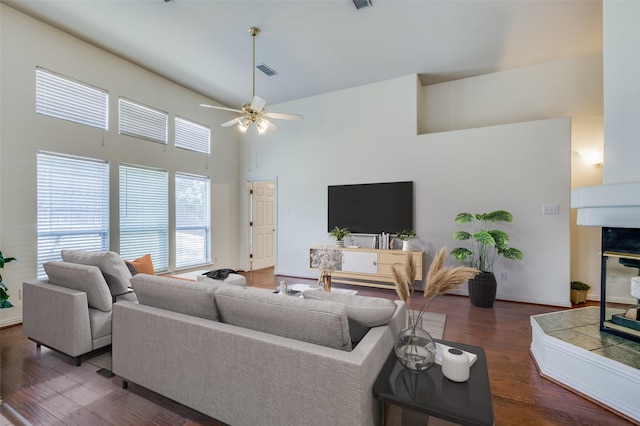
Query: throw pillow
{"points": [[362, 312], [143, 265], [85, 278], [131, 268], [110, 263]]}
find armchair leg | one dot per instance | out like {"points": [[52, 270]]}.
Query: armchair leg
{"points": [[38, 345], [125, 384], [78, 361]]}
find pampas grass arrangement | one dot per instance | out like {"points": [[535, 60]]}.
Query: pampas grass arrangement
{"points": [[441, 279]]}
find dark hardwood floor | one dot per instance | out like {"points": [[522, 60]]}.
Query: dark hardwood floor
{"points": [[47, 389]]}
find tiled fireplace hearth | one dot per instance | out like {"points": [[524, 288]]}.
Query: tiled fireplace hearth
{"points": [[570, 349]]}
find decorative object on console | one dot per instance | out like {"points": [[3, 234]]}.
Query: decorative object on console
{"points": [[327, 260], [415, 348], [406, 235], [579, 292], [486, 246], [339, 234], [4, 295]]}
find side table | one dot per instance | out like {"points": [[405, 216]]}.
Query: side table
{"points": [[431, 393]]}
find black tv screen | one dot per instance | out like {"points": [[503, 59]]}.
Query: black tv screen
{"points": [[371, 208]]}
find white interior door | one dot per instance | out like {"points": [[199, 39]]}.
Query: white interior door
{"points": [[262, 224]]}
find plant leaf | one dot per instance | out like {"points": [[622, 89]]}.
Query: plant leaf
{"points": [[484, 237], [464, 218], [498, 216], [511, 253], [461, 235], [460, 254]]}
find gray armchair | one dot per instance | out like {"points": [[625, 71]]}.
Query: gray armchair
{"points": [[71, 312]]}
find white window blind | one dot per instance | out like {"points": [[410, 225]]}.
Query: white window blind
{"points": [[142, 121], [192, 221], [144, 214], [192, 136], [73, 206], [64, 98]]}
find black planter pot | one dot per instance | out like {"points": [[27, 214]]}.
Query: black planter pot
{"points": [[482, 290]]}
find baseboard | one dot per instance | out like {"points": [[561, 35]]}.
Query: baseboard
{"points": [[10, 322]]}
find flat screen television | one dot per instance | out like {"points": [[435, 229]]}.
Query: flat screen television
{"points": [[371, 208]]}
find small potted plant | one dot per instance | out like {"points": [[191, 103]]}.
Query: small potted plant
{"points": [[4, 295], [339, 234], [486, 246], [406, 235], [579, 292]]}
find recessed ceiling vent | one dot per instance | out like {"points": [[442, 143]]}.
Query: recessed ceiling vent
{"points": [[267, 70], [361, 4]]}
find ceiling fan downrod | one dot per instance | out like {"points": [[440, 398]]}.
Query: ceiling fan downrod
{"points": [[254, 31]]}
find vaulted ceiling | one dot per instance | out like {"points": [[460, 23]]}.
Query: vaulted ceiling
{"points": [[320, 46]]}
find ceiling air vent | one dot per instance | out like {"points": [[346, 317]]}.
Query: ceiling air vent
{"points": [[361, 4], [267, 70]]}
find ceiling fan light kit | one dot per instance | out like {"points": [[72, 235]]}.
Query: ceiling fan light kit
{"points": [[254, 112]]}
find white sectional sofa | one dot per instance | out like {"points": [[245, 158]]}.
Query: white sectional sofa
{"points": [[247, 356]]}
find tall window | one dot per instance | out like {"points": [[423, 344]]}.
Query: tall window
{"points": [[67, 99], [193, 136], [143, 122], [144, 214], [192, 220], [73, 205]]}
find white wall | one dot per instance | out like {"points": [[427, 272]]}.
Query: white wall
{"points": [[569, 87], [622, 91], [368, 134], [27, 43]]}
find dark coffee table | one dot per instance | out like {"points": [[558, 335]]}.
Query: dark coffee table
{"points": [[431, 393]]}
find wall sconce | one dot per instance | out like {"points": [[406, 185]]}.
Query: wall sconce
{"points": [[594, 157]]}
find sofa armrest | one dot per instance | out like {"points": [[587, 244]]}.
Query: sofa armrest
{"points": [[57, 317]]}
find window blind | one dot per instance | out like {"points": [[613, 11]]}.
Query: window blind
{"points": [[144, 214], [192, 220], [64, 98], [73, 205], [142, 122], [192, 136]]}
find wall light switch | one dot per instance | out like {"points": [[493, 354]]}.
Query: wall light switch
{"points": [[551, 209]]}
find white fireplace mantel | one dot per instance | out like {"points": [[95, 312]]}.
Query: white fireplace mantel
{"points": [[611, 205]]}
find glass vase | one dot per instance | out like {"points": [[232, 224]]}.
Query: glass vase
{"points": [[415, 348]]}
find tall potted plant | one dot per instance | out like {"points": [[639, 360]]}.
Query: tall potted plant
{"points": [[4, 295], [487, 245]]}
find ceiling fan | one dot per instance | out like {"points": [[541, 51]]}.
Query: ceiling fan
{"points": [[254, 112]]}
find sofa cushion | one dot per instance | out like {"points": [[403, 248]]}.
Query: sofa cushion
{"points": [[142, 265], [314, 321], [363, 312], [110, 263], [172, 294], [84, 278]]}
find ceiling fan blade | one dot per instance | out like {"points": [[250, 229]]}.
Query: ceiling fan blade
{"points": [[258, 103], [272, 126], [231, 122], [282, 116], [221, 107]]}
